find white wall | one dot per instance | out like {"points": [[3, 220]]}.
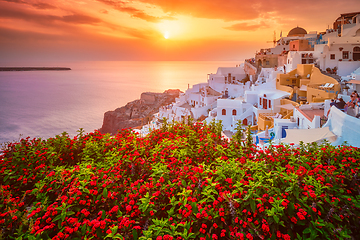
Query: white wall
{"points": [[198, 112], [347, 128], [304, 122], [278, 125], [230, 105], [347, 67]]}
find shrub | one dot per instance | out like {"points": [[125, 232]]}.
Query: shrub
{"points": [[180, 182]]}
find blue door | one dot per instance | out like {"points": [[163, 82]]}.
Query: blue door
{"points": [[283, 132]]}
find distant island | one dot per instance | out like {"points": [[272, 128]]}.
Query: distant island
{"points": [[34, 68]]}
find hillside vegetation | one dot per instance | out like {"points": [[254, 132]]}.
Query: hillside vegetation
{"points": [[180, 182]]}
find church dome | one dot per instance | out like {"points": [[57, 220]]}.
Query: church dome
{"points": [[298, 31]]}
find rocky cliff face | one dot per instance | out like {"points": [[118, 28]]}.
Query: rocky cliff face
{"points": [[138, 112]]}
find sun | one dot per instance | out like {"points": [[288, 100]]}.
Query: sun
{"points": [[166, 34]]}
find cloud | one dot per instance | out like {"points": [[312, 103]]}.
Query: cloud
{"points": [[80, 19], [8, 34], [43, 6], [39, 5], [235, 10], [215, 9], [46, 19], [133, 12], [70, 23], [247, 27]]}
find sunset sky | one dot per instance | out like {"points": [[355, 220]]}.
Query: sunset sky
{"points": [[65, 30]]}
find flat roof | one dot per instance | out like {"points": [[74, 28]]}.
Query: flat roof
{"points": [[354, 81], [310, 114]]}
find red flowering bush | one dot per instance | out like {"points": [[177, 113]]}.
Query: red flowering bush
{"points": [[179, 182]]}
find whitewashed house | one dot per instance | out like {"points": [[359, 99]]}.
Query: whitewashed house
{"points": [[230, 111], [342, 50], [230, 81]]}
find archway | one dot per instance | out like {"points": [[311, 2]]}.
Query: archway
{"points": [[356, 53]]}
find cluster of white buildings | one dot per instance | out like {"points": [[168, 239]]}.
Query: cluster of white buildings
{"points": [[282, 94]]}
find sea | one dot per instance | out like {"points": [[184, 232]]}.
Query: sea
{"points": [[43, 104]]}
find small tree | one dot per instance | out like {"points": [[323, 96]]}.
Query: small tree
{"points": [[239, 131]]}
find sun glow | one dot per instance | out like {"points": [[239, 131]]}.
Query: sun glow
{"points": [[173, 29]]}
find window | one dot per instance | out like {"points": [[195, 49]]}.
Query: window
{"points": [[234, 112], [233, 78], [345, 54], [223, 112], [260, 101], [267, 63], [311, 60], [303, 61], [293, 81], [332, 56], [269, 103], [293, 45], [225, 78]]}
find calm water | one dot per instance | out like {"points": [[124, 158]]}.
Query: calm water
{"points": [[46, 103]]}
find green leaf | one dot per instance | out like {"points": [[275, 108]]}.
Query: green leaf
{"points": [[252, 205], [56, 218], [291, 209], [276, 218], [307, 230], [247, 196], [83, 229], [135, 234], [105, 193]]}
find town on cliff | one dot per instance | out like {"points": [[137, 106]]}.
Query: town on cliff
{"points": [[303, 89]]}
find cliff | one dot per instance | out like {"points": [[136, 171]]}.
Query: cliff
{"points": [[138, 112]]}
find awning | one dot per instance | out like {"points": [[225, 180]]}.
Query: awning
{"points": [[354, 81], [303, 88], [288, 106], [308, 135]]}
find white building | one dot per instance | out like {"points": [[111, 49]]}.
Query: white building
{"points": [[230, 79], [342, 50], [230, 111]]}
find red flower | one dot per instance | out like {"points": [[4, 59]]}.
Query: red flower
{"points": [[128, 208], [249, 236]]}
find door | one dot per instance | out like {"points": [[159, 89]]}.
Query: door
{"points": [[265, 103], [245, 122], [356, 53], [283, 132]]}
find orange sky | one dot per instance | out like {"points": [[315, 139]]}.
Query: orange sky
{"points": [[36, 30]]}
